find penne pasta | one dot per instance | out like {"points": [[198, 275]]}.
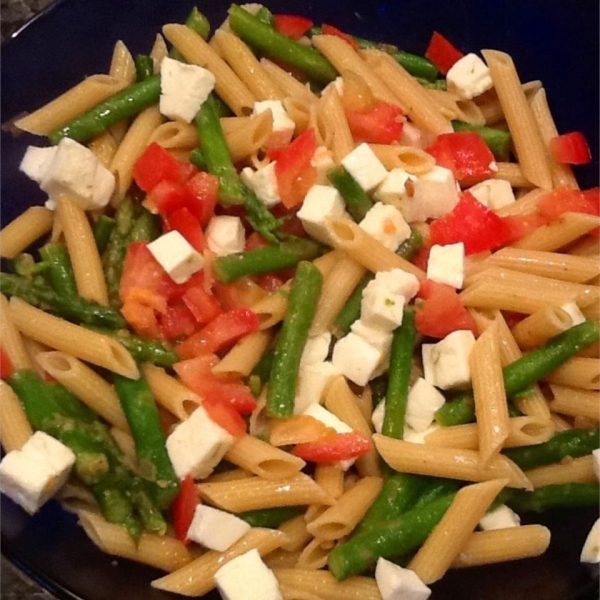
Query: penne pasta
{"points": [[513, 173], [296, 533], [581, 373], [411, 160], [245, 355], [334, 124], [15, 429], [12, 341], [577, 470], [542, 325], [27, 228], [287, 83], [315, 553], [575, 402]]}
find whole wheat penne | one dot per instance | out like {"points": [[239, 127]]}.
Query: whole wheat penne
{"points": [[104, 148], [296, 533], [334, 124], [513, 173], [245, 136], [539, 327], [575, 402], [412, 160], [244, 356], [490, 105], [287, 83], [12, 340], [581, 373], [28, 227], [158, 52], [15, 429], [577, 470], [315, 553]]}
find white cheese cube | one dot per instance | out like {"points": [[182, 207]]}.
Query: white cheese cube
{"points": [[33, 474], [378, 416], [469, 77], [36, 161], [397, 188], [381, 308], [574, 312], [197, 445], [75, 172], [386, 224], [446, 364], [412, 136], [356, 358], [225, 235], [246, 577], [397, 583], [283, 126], [323, 162], [183, 89], [418, 437], [263, 182], [321, 202], [316, 349], [447, 264], [313, 382], [500, 518], [493, 193], [423, 402], [398, 281], [176, 256], [591, 549], [381, 339], [365, 167], [436, 194], [216, 529], [596, 455]]}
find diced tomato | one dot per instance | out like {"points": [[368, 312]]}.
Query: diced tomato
{"points": [[442, 53], [442, 312], [203, 306], [571, 149], [293, 169], [221, 333], [291, 224], [465, 154], [512, 318], [157, 164], [331, 30], [189, 227], [270, 283], [184, 507], [142, 318], [254, 241], [169, 196], [381, 125], [225, 416], [472, 223], [422, 257], [519, 226], [243, 292], [293, 26], [563, 200], [6, 366], [205, 188], [335, 447], [178, 322]]}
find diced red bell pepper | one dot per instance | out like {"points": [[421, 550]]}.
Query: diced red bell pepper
{"points": [[178, 322], [292, 26], [442, 53], [225, 416], [6, 366], [472, 223], [157, 164], [334, 447], [293, 169], [331, 30], [465, 154], [555, 203], [571, 149], [205, 188], [189, 227], [442, 312], [184, 507], [221, 333], [381, 125]]}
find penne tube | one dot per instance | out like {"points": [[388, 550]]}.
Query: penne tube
{"points": [[513, 173], [15, 429], [296, 533], [334, 124], [581, 373], [174, 134], [12, 340], [126, 443], [271, 310], [524, 205], [577, 470], [229, 475], [575, 402], [245, 136], [282, 559], [453, 108], [245, 355], [490, 105], [411, 160], [104, 148], [287, 83], [158, 52], [122, 65], [315, 553], [587, 246], [28, 227], [542, 325]]}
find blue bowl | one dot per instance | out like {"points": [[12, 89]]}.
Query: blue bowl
{"points": [[551, 40]]}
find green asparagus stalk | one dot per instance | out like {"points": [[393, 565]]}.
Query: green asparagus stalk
{"points": [[271, 517], [59, 270], [351, 310], [566, 495], [102, 230], [498, 140], [146, 228], [144, 67], [357, 200]]}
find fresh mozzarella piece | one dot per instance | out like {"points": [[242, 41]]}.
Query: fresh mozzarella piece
{"points": [[469, 77], [378, 416], [316, 349], [381, 339], [216, 529], [493, 193], [323, 162], [591, 549], [399, 282], [356, 358], [500, 518], [263, 182], [176, 256], [365, 167], [397, 188], [75, 171], [386, 224], [397, 583], [197, 445], [574, 312], [33, 474], [596, 455], [183, 89], [283, 126], [423, 402], [321, 202], [36, 161], [246, 577], [313, 381], [418, 437], [447, 264], [225, 235], [436, 192], [446, 364], [381, 308], [412, 136]]}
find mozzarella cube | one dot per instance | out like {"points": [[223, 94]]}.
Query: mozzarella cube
{"points": [[183, 89], [386, 224], [469, 77], [263, 182], [446, 364], [596, 455], [500, 518], [365, 167], [447, 264], [381, 339], [397, 188], [418, 437], [423, 402], [356, 358], [75, 171], [436, 194], [398, 281], [316, 349], [381, 308], [31, 475], [246, 577], [574, 312], [397, 583], [225, 235], [591, 549], [36, 161], [323, 162], [412, 136], [377, 417], [283, 126], [493, 193], [313, 382], [321, 202], [197, 445], [216, 529], [176, 256]]}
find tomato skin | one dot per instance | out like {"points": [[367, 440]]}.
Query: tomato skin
{"points": [[205, 188], [225, 416], [169, 196], [292, 26], [442, 312], [203, 306], [331, 30], [6, 366], [189, 227], [334, 447], [178, 322], [157, 164], [442, 53], [381, 125], [571, 149], [184, 507]]}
